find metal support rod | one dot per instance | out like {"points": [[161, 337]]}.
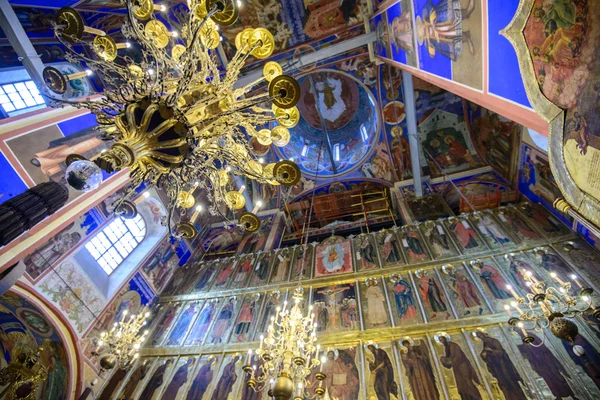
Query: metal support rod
{"points": [[10, 24], [413, 137]]}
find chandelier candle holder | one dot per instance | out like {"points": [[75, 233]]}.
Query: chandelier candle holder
{"points": [[175, 119], [288, 355], [549, 307], [121, 344]]}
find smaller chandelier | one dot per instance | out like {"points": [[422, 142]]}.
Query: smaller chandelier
{"points": [[549, 307], [23, 375], [121, 344], [288, 356]]}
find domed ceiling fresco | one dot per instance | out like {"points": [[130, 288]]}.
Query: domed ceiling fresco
{"points": [[338, 128]]}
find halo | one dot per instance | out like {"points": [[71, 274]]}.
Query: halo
{"points": [[437, 336]]}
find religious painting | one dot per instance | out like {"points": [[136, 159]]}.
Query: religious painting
{"points": [[380, 27], [547, 369], [343, 377], [281, 265], [449, 36], [245, 323], [520, 227], [538, 216], [418, 370], [374, 304], [203, 322], [203, 379], [467, 300], [180, 328], [380, 372], [562, 42], [224, 321], [303, 262], [178, 382], [586, 364], [365, 252], [400, 149], [414, 248], [180, 279], [583, 257], [230, 378], [515, 267], [243, 270], [333, 257], [438, 240], [163, 323], [458, 368], [160, 265], [253, 242], [446, 144], [431, 206], [62, 243], [504, 375], [552, 265], [335, 308], [495, 284], [112, 384], [390, 250], [223, 278], [140, 372], [496, 141], [272, 301], [401, 33], [465, 236], [206, 275], [434, 298], [262, 269], [491, 231], [24, 327], [151, 389], [260, 391], [403, 299]]}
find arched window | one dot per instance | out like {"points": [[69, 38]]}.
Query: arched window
{"points": [[116, 241]]}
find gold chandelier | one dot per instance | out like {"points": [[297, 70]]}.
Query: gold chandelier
{"points": [[549, 307], [23, 375], [177, 121], [288, 356], [120, 345]]}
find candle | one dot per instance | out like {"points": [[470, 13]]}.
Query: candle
{"points": [[141, 198], [515, 305], [159, 7], [520, 325], [78, 75], [257, 207], [94, 31], [249, 357], [553, 275], [507, 308], [125, 45], [512, 291], [574, 278], [197, 212], [262, 338]]}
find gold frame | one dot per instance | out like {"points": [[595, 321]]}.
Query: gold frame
{"points": [[582, 202]]}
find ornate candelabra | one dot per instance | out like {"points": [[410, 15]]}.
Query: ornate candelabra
{"points": [[120, 345], [176, 119], [549, 307], [288, 356]]}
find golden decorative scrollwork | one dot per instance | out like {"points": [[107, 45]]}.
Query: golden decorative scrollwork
{"points": [[143, 9], [105, 47], [55, 80], [71, 22]]}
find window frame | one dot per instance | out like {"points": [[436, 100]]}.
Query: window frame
{"points": [[111, 245], [7, 97]]}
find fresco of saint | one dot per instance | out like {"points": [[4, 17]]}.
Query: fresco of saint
{"points": [[163, 323], [246, 321], [206, 275], [517, 225], [261, 270], [538, 216], [492, 231], [343, 380], [157, 380], [465, 376], [243, 270], [465, 236], [224, 274], [548, 261], [413, 245], [439, 242], [180, 329], [515, 266], [585, 258], [335, 308], [272, 300], [224, 322], [113, 384], [404, 308], [303, 261], [230, 374], [382, 380], [589, 361], [418, 369], [203, 378], [432, 294], [180, 379], [493, 282], [281, 265], [389, 247], [141, 370], [501, 367], [440, 27], [465, 295], [365, 252], [44, 257], [201, 325], [374, 304], [333, 256]]}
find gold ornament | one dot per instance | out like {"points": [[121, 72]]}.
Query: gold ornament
{"points": [[157, 33], [264, 137], [250, 222], [105, 47], [272, 70], [280, 136], [287, 118], [186, 200], [285, 91], [235, 200], [287, 173], [227, 14], [264, 42]]}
